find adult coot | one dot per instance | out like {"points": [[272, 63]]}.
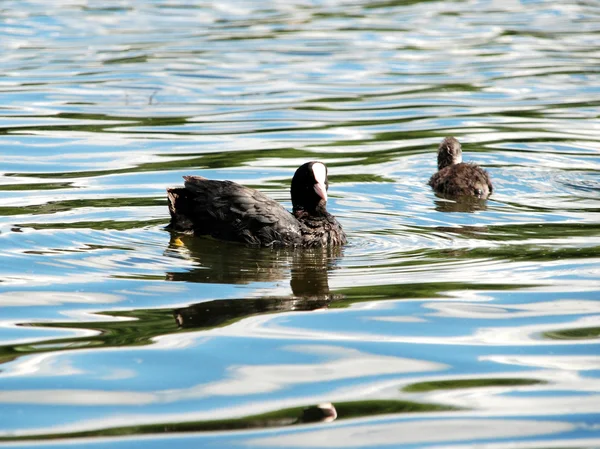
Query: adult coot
{"points": [[229, 211], [458, 178]]}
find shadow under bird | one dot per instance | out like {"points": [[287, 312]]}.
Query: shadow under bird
{"points": [[229, 211], [458, 178]]}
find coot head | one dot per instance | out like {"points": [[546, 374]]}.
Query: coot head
{"points": [[309, 188], [449, 153]]}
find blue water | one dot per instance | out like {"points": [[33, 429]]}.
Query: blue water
{"points": [[438, 325]]}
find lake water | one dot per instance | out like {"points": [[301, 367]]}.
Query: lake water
{"points": [[439, 325]]}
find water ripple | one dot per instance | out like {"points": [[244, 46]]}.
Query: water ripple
{"points": [[442, 322]]}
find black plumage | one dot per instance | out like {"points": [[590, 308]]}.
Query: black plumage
{"points": [[229, 211], [456, 178]]}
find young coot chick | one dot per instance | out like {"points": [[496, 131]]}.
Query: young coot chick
{"points": [[229, 211], [458, 178]]}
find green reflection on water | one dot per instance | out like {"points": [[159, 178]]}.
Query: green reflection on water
{"points": [[365, 177], [581, 333], [412, 291], [129, 60], [279, 418], [140, 327], [180, 161], [66, 205], [468, 383], [39, 186], [356, 409], [117, 225]]}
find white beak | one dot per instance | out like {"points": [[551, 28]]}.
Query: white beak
{"points": [[321, 190]]}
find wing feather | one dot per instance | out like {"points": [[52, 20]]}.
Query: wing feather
{"points": [[225, 209]]}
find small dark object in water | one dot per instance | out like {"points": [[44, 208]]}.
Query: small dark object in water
{"points": [[320, 413], [457, 178], [229, 211]]}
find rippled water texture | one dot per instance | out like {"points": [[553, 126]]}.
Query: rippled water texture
{"points": [[441, 324]]}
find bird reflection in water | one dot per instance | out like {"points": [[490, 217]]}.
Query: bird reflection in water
{"points": [[230, 263], [224, 262], [459, 204]]}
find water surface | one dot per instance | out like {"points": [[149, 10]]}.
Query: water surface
{"points": [[439, 325]]}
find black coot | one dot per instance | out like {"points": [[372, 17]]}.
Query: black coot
{"points": [[457, 178], [229, 211]]}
